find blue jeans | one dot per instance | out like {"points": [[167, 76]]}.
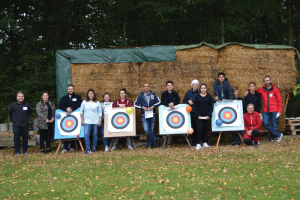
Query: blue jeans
{"points": [[148, 125], [106, 142], [18, 132], [234, 136], [87, 130], [271, 116]]}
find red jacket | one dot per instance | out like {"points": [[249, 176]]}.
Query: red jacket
{"points": [[252, 121], [127, 103], [271, 100]]}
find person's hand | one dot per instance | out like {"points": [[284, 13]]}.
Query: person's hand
{"points": [[231, 100], [220, 101], [199, 117], [68, 113], [52, 120], [216, 98], [82, 122], [47, 121], [172, 108], [249, 132], [151, 108], [122, 105], [278, 113], [246, 93], [145, 108], [103, 108], [171, 104], [190, 102], [99, 123], [69, 109], [207, 118]]}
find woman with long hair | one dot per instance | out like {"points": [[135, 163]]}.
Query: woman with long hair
{"points": [[45, 110], [106, 99], [91, 117]]}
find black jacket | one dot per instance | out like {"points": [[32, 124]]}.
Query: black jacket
{"points": [[74, 102], [20, 113], [167, 98], [225, 89], [190, 95], [204, 105], [254, 99]]}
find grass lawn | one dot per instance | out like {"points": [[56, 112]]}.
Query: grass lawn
{"points": [[270, 171]]}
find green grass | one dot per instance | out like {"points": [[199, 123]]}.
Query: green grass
{"points": [[270, 171]]}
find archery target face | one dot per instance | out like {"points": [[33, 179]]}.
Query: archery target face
{"points": [[69, 124], [120, 121], [175, 120], [229, 114]]}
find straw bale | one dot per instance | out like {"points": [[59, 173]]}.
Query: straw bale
{"points": [[240, 64]]}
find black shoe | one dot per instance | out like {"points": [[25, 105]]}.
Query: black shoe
{"points": [[239, 143], [255, 144], [43, 151], [233, 143], [156, 145], [49, 151]]}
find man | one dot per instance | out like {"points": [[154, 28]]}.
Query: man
{"points": [[272, 107], [19, 111], [170, 98], [147, 101], [69, 103], [252, 97], [189, 98]]}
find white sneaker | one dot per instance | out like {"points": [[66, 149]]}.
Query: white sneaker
{"points": [[113, 148], [205, 145], [64, 151], [280, 138], [252, 142], [258, 142], [198, 146], [130, 147], [106, 148], [72, 149]]}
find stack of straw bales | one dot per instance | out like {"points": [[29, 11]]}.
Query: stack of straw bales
{"points": [[240, 64]]}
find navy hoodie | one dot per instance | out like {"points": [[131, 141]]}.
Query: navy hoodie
{"points": [[167, 98], [224, 89], [190, 95], [141, 102]]}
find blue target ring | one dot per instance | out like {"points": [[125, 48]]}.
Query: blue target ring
{"points": [[175, 119], [69, 123], [120, 120], [228, 115]]}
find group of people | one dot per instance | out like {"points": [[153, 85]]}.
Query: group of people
{"points": [[92, 112]]}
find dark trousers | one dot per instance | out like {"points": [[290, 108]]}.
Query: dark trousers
{"points": [[194, 135], [66, 144], [202, 130], [255, 136], [18, 132], [45, 134]]}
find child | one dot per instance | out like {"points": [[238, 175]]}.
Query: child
{"points": [[252, 97], [236, 140], [222, 88]]}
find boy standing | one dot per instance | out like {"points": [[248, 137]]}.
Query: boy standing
{"points": [[252, 97]]}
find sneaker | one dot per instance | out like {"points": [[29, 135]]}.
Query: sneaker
{"points": [[88, 151], [205, 145], [198, 146], [48, 151], [156, 144], [255, 144], [233, 143], [130, 147], [239, 143], [94, 150], [26, 154], [64, 151], [17, 154], [280, 138], [43, 151], [106, 149], [258, 142], [271, 140], [252, 142], [72, 149], [113, 148]]}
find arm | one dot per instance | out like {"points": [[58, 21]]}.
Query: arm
{"points": [[177, 100], [115, 104], [195, 108], [39, 112], [157, 100], [258, 122], [211, 102], [230, 94], [163, 100], [61, 105], [186, 98], [258, 104], [82, 108], [10, 110], [246, 128], [53, 110], [99, 108], [77, 104], [130, 104], [29, 109], [279, 101], [216, 91], [138, 102]]}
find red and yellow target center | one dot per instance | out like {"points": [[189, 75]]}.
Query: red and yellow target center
{"points": [[175, 119], [227, 115], [120, 120], [69, 123]]}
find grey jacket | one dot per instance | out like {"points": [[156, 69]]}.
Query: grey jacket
{"points": [[43, 114]]}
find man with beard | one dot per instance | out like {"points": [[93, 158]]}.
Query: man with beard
{"points": [[272, 107], [69, 103], [20, 111]]}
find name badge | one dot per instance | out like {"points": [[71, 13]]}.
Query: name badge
{"points": [[24, 108], [152, 96], [271, 95], [74, 99]]}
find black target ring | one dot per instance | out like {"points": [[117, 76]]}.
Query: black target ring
{"points": [[170, 116], [120, 115], [229, 110], [64, 121]]}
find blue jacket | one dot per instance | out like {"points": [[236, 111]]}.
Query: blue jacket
{"points": [[141, 102], [226, 87], [167, 98], [190, 95]]}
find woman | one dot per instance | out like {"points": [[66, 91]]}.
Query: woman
{"points": [[45, 110], [106, 99], [203, 105], [91, 117], [252, 123], [122, 102]]}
